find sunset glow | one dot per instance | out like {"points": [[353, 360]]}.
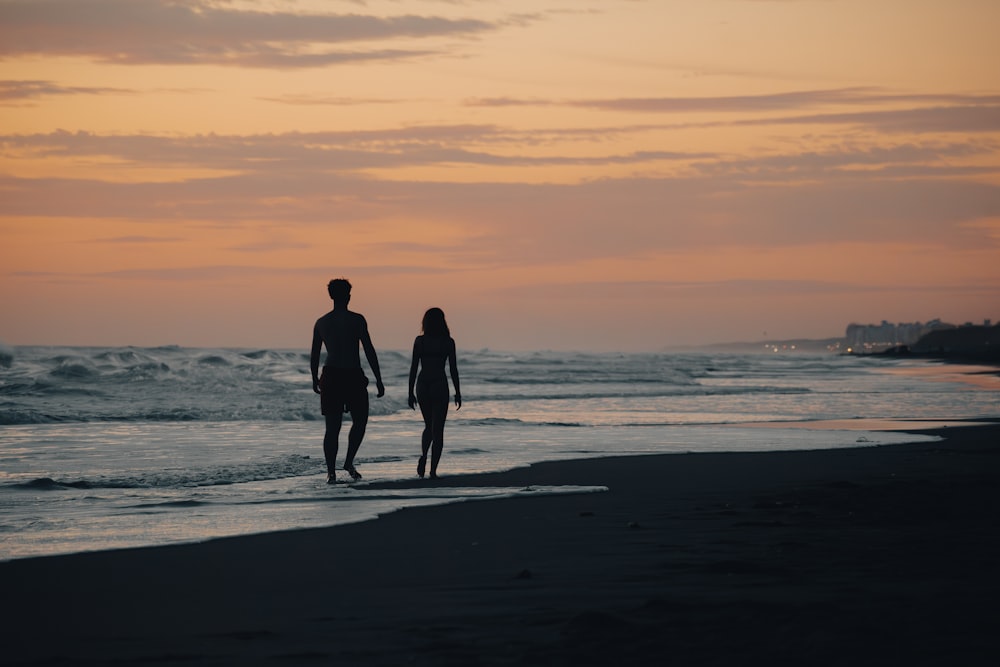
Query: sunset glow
{"points": [[594, 174]]}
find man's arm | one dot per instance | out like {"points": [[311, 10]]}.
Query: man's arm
{"points": [[366, 343], [414, 365], [317, 347]]}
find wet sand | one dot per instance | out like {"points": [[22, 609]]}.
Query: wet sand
{"points": [[879, 555]]}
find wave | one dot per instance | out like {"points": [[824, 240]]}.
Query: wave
{"points": [[43, 385], [214, 360], [18, 417], [40, 484], [379, 459], [672, 392], [6, 356], [468, 451], [260, 471], [591, 378], [513, 421], [494, 421], [171, 503], [74, 371]]}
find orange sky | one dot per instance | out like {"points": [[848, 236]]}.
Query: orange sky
{"points": [[585, 174]]}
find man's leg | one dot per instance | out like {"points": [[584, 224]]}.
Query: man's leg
{"points": [[331, 440], [359, 422]]}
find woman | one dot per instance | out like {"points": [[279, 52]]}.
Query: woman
{"points": [[430, 350]]}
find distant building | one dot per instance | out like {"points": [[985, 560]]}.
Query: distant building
{"points": [[936, 338], [867, 338]]}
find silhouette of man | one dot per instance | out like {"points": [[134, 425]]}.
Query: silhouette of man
{"points": [[343, 386]]}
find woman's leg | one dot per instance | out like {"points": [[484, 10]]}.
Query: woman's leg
{"points": [[426, 435], [439, 413]]}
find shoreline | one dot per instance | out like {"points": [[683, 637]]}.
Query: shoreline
{"points": [[869, 555]]}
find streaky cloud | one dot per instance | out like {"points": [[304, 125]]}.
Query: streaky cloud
{"points": [[169, 32], [268, 246], [20, 90], [912, 155], [223, 271], [612, 289], [268, 58], [346, 151], [137, 239], [957, 119], [322, 100], [335, 151], [625, 217], [509, 102], [800, 99]]}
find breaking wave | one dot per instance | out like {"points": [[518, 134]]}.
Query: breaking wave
{"points": [[46, 385], [280, 468]]}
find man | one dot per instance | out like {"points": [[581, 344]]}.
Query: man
{"points": [[343, 386]]}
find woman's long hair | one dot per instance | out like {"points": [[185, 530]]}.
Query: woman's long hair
{"points": [[434, 323]]}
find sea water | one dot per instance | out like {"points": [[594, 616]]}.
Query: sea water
{"points": [[121, 447]]}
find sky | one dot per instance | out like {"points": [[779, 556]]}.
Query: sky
{"points": [[607, 175]]}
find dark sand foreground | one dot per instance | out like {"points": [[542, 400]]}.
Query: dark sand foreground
{"points": [[873, 556]]}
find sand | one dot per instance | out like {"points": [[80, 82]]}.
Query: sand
{"points": [[879, 555]]}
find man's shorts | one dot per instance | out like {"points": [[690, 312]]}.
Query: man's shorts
{"points": [[342, 390]]}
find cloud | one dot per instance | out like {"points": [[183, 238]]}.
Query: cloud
{"points": [[320, 154], [799, 99], [269, 246], [948, 113], [324, 100], [664, 289], [963, 119], [849, 159], [264, 57], [178, 33], [327, 151], [924, 190], [530, 224], [136, 239], [12, 91], [222, 272]]}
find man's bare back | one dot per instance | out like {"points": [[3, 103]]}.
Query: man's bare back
{"points": [[343, 385], [342, 332]]}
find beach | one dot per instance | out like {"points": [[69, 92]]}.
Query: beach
{"points": [[869, 555]]}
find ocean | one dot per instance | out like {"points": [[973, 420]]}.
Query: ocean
{"points": [[105, 448]]}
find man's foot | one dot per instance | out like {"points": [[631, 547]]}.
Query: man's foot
{"points": [[421, 464], [331, 478], [352, 471]]}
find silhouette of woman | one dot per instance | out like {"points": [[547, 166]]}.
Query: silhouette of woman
{"points": [[430, 351]]}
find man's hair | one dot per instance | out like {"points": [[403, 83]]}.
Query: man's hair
{"points": [[339, 289]]}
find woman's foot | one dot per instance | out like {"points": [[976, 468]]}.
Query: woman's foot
{"points": [[331, 478], [421, 464], [352, 471]]}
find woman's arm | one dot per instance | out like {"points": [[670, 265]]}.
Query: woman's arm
{"points": [[453, 365]]}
